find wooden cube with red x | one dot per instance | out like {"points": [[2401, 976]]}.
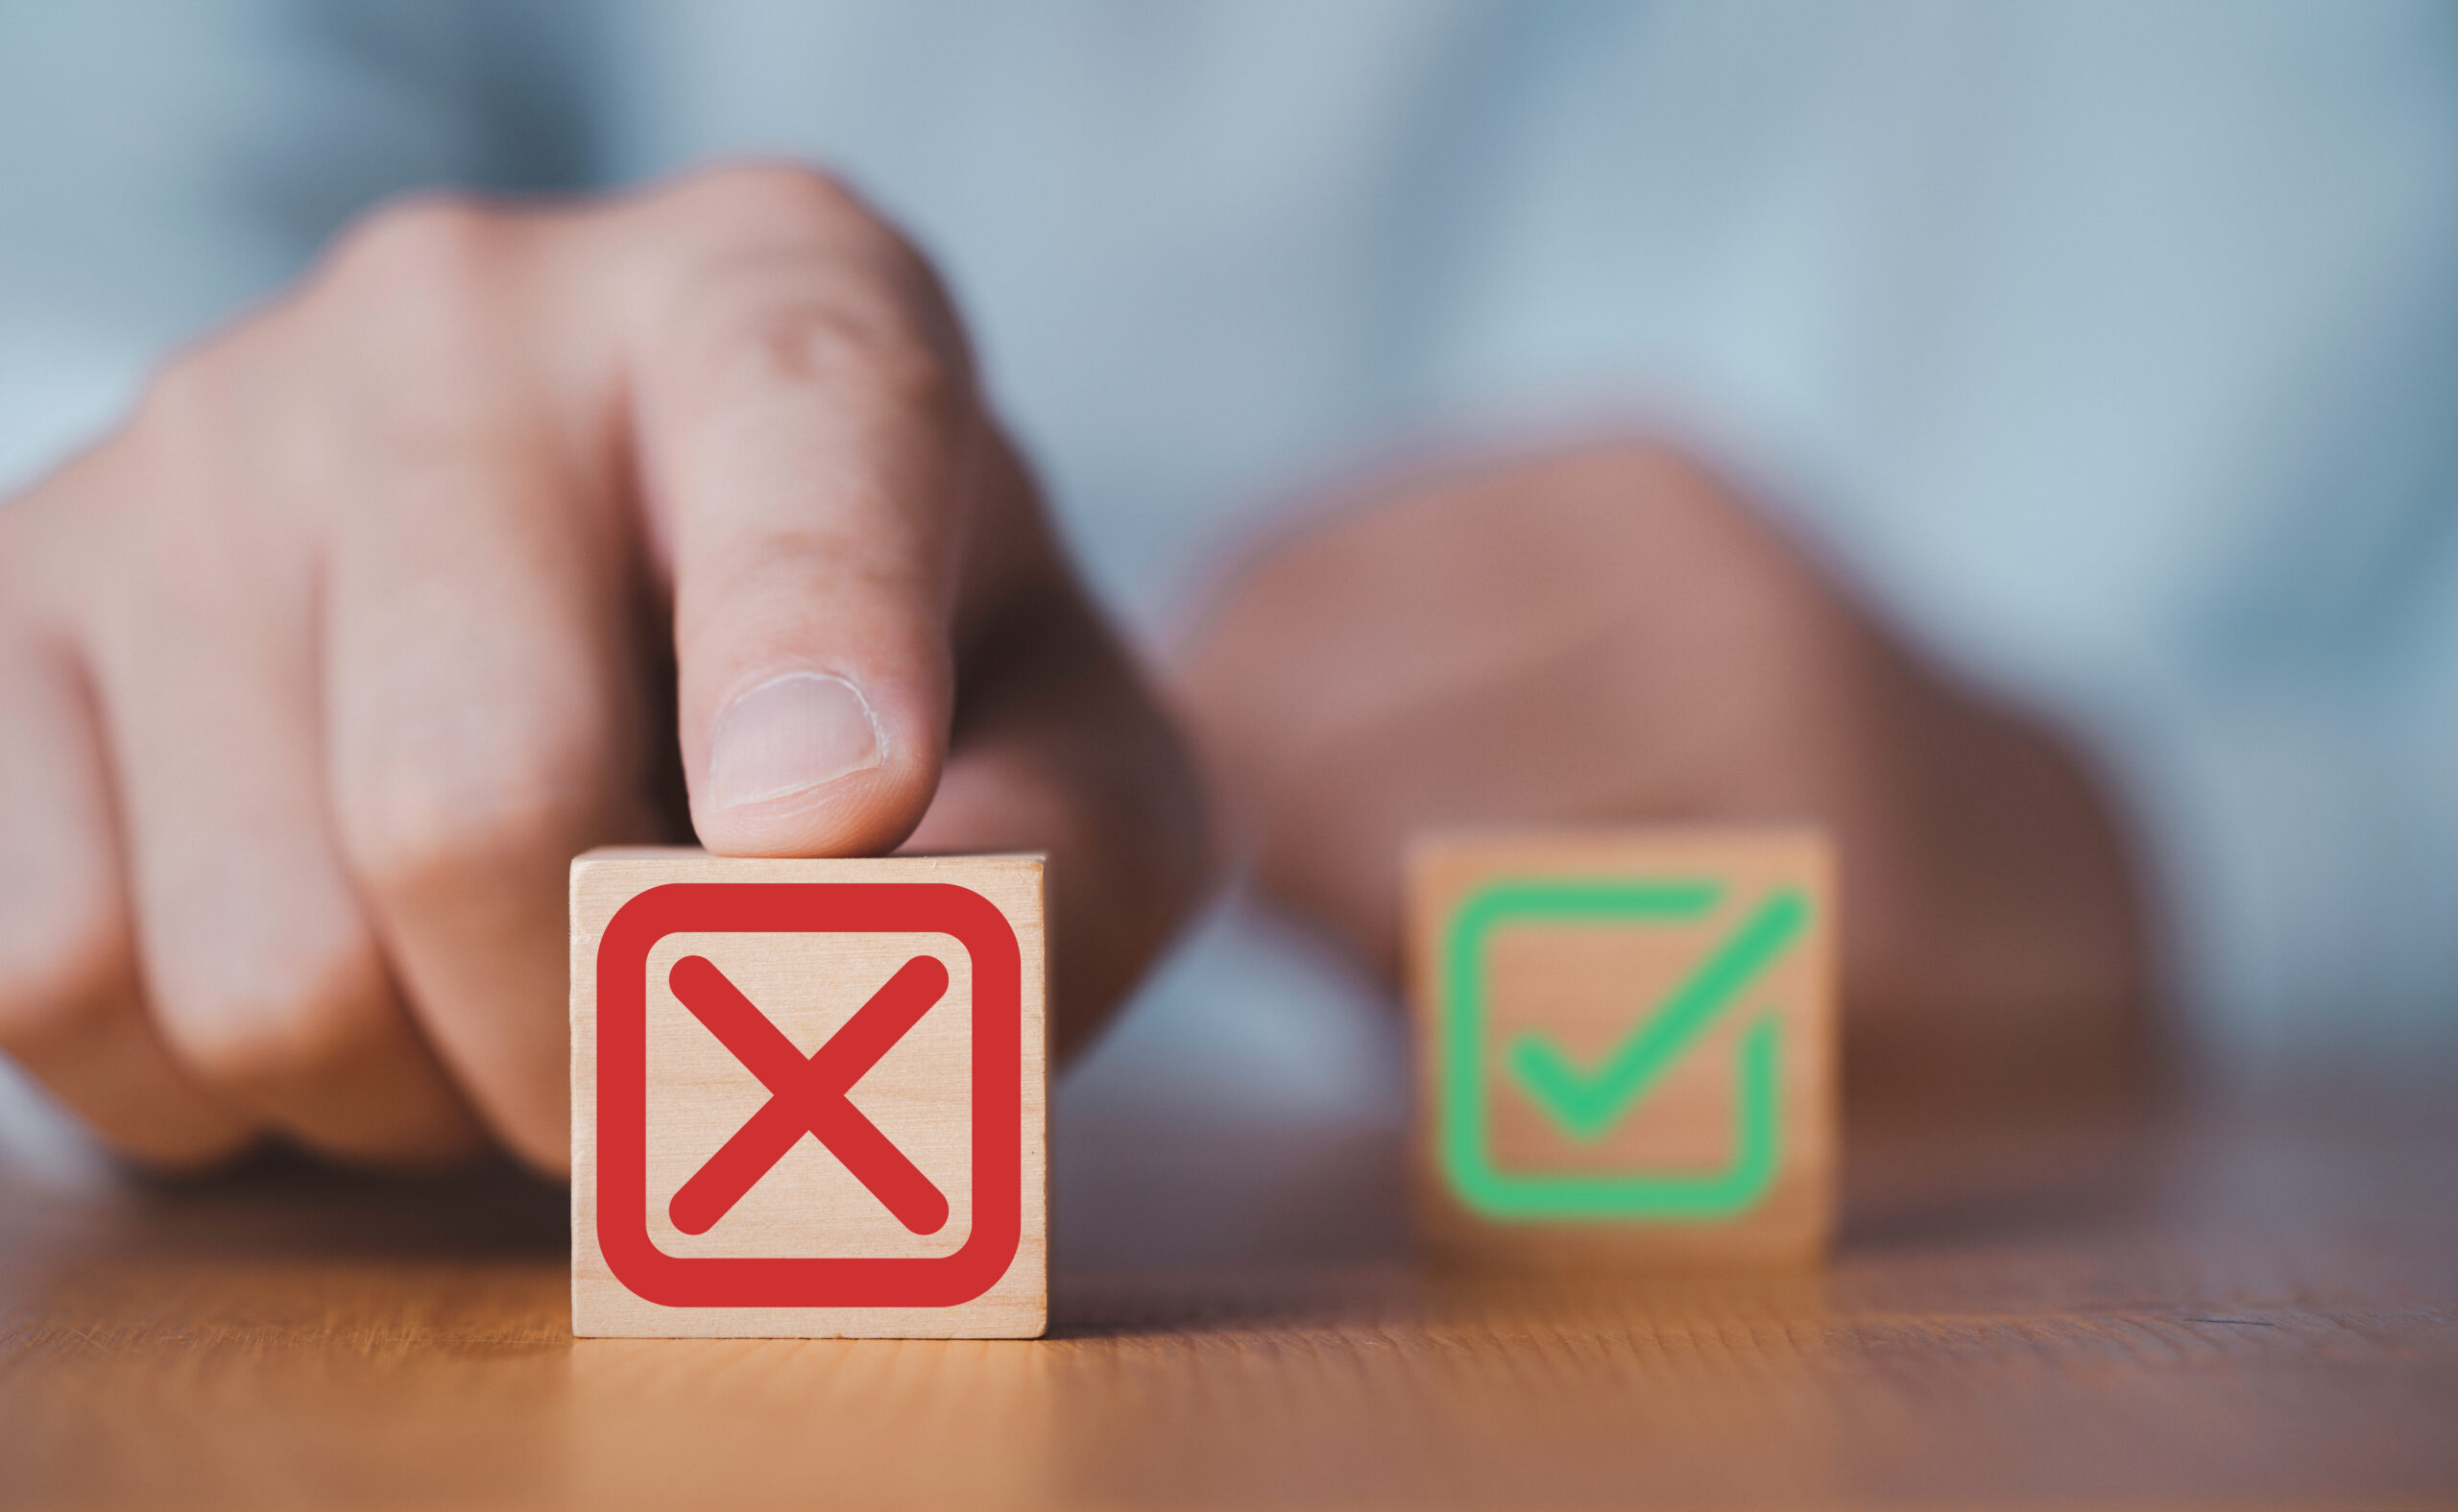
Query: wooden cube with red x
{"points": [[810, 1098]]}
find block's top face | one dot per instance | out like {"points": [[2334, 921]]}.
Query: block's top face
{"points": [[1625, 1027], [807, 1079]]}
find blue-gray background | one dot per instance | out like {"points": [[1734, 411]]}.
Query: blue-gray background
{"points": [[2112, 348]]}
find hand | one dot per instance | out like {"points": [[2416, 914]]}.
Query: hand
{"points": [[1611, 635], [392, 598]]}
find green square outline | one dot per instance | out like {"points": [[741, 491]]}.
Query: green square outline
{"points": [[1464, 1149]]}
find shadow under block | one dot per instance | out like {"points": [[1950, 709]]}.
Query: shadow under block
{"points": [[1627, 1045], [810, 1098]]}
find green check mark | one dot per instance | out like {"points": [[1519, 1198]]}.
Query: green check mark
{"points": [[1587, 1103]]}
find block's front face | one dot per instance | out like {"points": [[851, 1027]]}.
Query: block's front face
{"points": [[1627, 1041], [808, 1096]]}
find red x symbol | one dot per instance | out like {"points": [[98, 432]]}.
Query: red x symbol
{"points": [[807, 1097], [999, 1073]]}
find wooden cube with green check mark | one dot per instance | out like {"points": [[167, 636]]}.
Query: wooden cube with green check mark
{"points": [[1627, 1041]]}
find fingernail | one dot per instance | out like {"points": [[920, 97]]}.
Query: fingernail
{"points": [[787, 736]]}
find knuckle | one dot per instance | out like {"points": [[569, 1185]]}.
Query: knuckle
{"points": [[64, 955], [184, 403], [430, 815], [176, 498], [793, 279], [839, 341], [789, 200], [422, 289], [732, 344], [314, 1011], [408, 313], [427, 243]]}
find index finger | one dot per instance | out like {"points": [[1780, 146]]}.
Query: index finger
{"points": [[807, 441]]}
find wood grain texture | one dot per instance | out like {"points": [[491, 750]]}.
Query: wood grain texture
{"points": [[810, 975], [1588, 983], [2259, 1309]]}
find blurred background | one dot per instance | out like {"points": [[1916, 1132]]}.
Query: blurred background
{"points": [[2109, 350]]}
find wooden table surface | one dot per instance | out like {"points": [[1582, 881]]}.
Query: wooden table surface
{"points": [[2255, 1310]]}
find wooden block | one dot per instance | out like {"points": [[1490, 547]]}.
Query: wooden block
{"points": [[810, 1098], [1627, 1045]]}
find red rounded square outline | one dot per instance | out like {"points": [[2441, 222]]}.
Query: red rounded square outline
{"points": [[730, 1280]]}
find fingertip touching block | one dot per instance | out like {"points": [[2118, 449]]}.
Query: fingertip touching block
{"points": [[810, 1097], [1626, 1044]]}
